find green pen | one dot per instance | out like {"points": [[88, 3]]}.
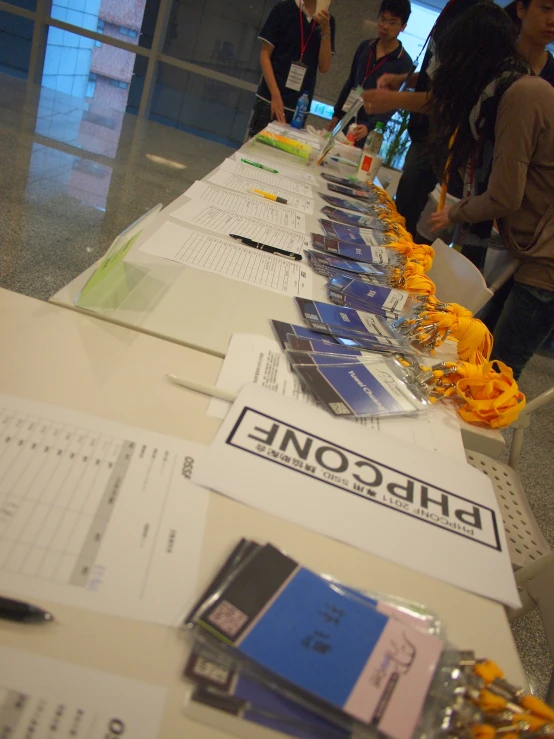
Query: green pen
{"points": [[260, 166]]}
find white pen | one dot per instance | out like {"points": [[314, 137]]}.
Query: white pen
{"points": [[198, 387]]}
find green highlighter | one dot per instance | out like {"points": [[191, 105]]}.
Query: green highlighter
{"points": [[260, 166]]}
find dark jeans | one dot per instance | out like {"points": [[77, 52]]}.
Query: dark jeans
{"points": [[490, 312], [261, 117], [417, 181], [525, 321]]}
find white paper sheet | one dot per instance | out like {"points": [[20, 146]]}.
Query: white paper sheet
{"points": [[96, 514], [251, 206], [261, 175], [294, 173], [258, 359], [413, 507], [221, 178], [43, 697], [230, 259], [224, 222]]}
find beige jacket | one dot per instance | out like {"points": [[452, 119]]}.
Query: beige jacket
{"points": [[520, 192]]}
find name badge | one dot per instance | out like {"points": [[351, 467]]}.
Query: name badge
{"points": [[297, 72], [351, 99]]}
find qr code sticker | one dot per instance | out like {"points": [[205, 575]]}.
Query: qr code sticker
{"points": [[339, 408], [210, 671], [228, 618]]}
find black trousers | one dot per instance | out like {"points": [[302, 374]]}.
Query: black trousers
{"points": [[261, 116], [417, 181]]}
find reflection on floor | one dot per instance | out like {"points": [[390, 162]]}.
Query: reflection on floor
{"points": [[72, 177]]}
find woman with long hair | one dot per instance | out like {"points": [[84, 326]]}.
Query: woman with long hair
{"points": [[497, 123], [534, 20]]}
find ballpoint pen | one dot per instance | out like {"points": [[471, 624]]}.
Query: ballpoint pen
{"points": [[268, 196], [266, 247], [17, 610], [260, 166]]}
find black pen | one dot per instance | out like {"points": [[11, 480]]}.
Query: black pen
{"points": [[265, 247], [17, 610]]}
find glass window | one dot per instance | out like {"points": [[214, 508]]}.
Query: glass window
{"points": [[26, 4], [105, 16], [201, 106], [422, 19], [221, 35], [16, 35]]}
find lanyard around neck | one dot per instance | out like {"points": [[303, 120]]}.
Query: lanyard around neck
{"points": [[304, 46]]}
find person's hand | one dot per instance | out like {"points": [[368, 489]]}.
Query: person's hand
{"points": [[359, 132], [379, 101], [277, 108], [324, 20], [441, 220], [389, 81], [332, 123]]}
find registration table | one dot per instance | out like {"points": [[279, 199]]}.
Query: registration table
{"points": [[96, 367]]}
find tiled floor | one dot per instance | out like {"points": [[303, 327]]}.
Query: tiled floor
{"points": [[72, 178]]}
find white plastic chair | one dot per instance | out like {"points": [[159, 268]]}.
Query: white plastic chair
{"points": [[458, 280], [526, 543]]}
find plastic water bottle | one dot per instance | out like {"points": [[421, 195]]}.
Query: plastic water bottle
{"points": [[375, 138], [302, 107]]}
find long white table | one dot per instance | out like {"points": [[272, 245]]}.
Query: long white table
{"points": [[64, 357]]}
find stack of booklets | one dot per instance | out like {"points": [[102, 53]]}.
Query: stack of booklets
{"points": [[280, 646], [331, 266], [360, 252], [389, 302]]}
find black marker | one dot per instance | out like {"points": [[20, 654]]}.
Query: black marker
{"points": [[265, 247], [16, 610]]}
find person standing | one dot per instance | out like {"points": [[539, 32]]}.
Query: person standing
{"points": [[497, 123], [419, 177], [373, 58], [296, 44]]}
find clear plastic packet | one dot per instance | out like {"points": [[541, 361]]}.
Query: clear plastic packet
{"points": [[348, 323], [354, 234], [380, 299], [378, 255], [315, 346], [331, 266], [283, 330], [317, 643], [346, 182], [366, 209], [353, 219], [360, 387]]}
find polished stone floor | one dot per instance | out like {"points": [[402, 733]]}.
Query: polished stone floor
{"points": [[73, 176]]}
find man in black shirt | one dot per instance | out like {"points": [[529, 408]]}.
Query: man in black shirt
{"points": [[418, 176], [295, 45], [373, 58]]}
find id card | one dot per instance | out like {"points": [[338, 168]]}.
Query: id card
{"points": [[297, 72], [353, 95]]}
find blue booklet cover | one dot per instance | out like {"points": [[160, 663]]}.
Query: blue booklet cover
{"points": [[325, 641], [346, 182], [321, 347], [346, 265], [341, 321], [378, 255], [370, 297], [348, 204], [352, 234], [352, 219], [347, 386], [283, 330]]}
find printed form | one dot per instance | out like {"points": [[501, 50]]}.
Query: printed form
{"points": [[221, 178], [268, 178], [229, 259], [43, 697], [214, 218], [96, 514], [246, 205], [292, 172]]}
